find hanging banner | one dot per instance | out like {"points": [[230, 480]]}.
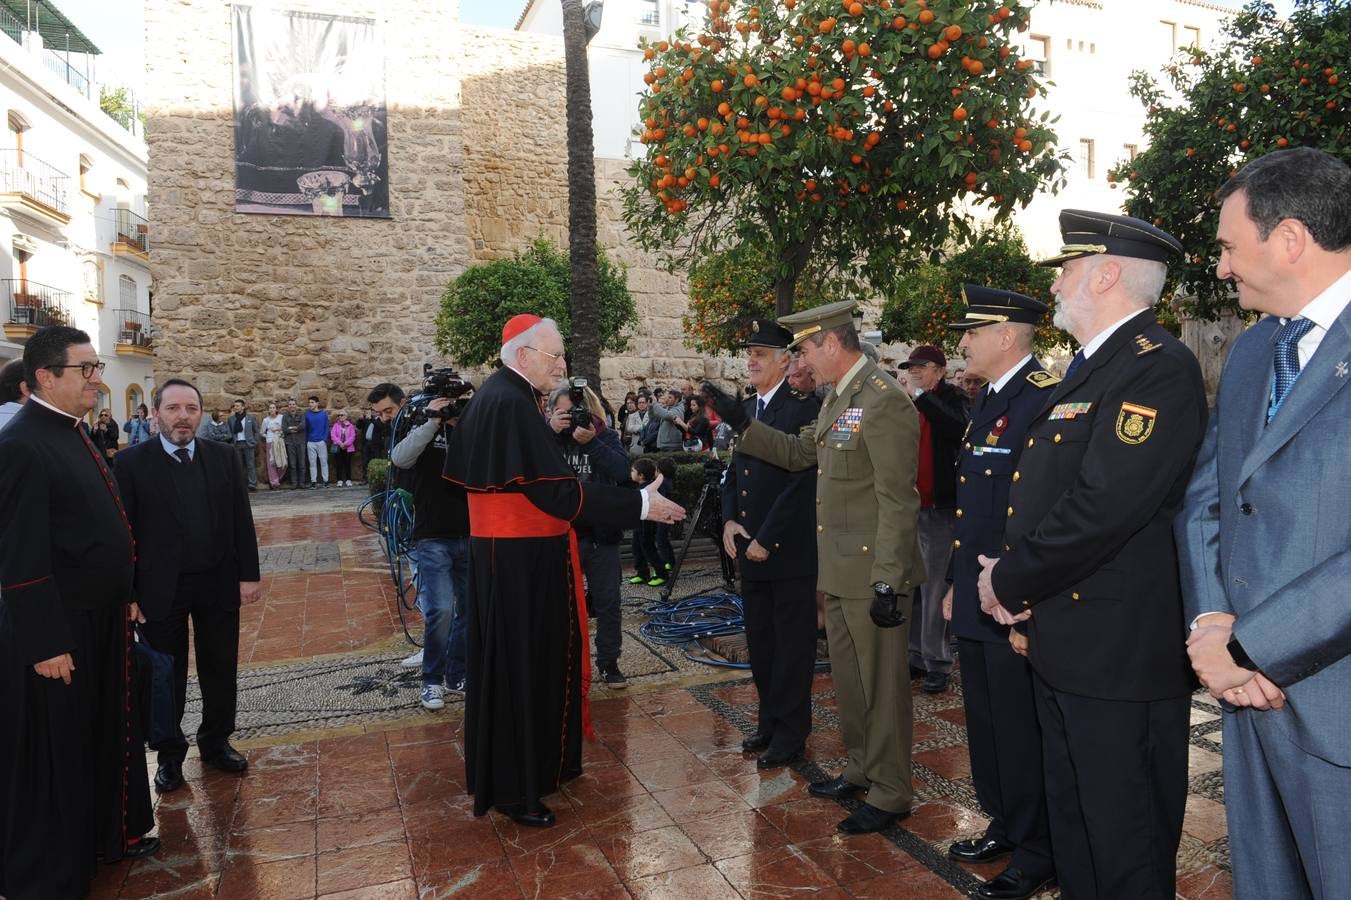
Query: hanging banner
{"points": [[311, 133]]}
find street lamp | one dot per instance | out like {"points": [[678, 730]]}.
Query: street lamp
{"points": [[591, 16]]}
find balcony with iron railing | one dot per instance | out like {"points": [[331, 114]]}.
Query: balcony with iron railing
{"points": [[134, 332], [60, 65], [33, 306], [132, 233], [10, 25], [34, 185]]}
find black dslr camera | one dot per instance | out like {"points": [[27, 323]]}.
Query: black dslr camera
{"points": [[581, 416], [439, 383]]}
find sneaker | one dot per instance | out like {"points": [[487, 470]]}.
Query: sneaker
{"points": [[656, 582], [457, 687], [348, 483], [412, 662], [637, 579], [431, 696], [614, 679]]}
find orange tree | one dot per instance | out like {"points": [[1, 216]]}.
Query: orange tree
{"points": [[1269, 84], [925, 298], [850, 134], [730, 287]]}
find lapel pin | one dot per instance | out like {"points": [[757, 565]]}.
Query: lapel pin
{"points": [[1341, 369]]}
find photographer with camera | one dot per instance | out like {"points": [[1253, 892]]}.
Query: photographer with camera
{"points": [[595, 454], [440, 529]]}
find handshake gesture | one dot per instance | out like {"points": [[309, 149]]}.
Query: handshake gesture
{"points": [[660, 509]]}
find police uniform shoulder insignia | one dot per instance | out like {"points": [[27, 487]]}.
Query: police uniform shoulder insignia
{"points": [[1134, 424], [797, 394], [1145, 345], [1042, 379]]}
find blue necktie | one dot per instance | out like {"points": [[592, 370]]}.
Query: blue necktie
{"points": [[184, 456], [1074, 365], [759, 407], [1286, 367]]}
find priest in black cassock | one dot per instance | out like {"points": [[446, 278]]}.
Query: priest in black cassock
{"points": [[528, 672], [73, 782]]}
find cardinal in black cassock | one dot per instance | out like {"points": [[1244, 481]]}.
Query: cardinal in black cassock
{"points": [[528, 671], [73, 783]]}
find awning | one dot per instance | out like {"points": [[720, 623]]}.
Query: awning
{"points": [[58, 32]]}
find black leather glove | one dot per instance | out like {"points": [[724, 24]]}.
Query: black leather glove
{"points": [[883, 611], [728, 407]]}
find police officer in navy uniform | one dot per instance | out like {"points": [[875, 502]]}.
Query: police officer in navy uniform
{"points": [[1089, 561], [768, 514], [1001, 718]]}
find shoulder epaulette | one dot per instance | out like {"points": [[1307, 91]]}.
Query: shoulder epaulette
{"points": [[1145, 345], [1042, 379], [796, 394]]}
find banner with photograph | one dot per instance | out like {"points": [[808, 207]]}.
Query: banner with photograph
{"points": [[311, 133]]}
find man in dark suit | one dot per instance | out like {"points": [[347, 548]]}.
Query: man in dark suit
{"points": [[197, 556], [768, 514], [1001, 716], [1265, 537], [1089, 558]]}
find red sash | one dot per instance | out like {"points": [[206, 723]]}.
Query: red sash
{"points": [[512, 515]]}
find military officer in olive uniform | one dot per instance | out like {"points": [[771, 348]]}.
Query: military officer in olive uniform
{"points": [[1089, 557], [768, 514], [1001, 717], [865, 451]]}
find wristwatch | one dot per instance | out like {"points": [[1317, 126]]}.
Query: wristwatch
{"points": [[1240, 656]]}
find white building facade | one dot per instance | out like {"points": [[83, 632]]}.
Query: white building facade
{"points": [[72, 207], [1087, 49]]}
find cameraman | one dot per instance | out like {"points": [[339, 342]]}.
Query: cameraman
{"points": [[595, 454], [441, 543]]}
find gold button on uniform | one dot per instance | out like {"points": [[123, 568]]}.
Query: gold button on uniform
{"points": [[1031, 441], [820, 528], [819, 472], [1016, 476], [1057, 437], [962, 479], [745, 471], [989, 472], [818, 501], [839, 446], [959, 513], [957, 545], [1010, 512], [743, 514], [968, 446], [865, 548], [743, 493], [1075, 595]]}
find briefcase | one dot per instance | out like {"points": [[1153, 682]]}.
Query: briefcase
{"points": [[154, 690]]}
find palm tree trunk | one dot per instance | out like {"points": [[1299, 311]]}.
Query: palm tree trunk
{"points": [[584, 299]]}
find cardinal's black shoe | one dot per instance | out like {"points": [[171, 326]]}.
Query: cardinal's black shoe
{"points": [[835, 789], [755, 743], [538, 817], [773, 759], [1012, 884], [978, 850], [227, 759], [867, 819], [144, 847], [168, 777]]}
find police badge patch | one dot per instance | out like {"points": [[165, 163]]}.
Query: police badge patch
{"points": [[1134, 424]]}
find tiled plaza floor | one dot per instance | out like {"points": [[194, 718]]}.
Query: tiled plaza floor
{"points": [[668, 806]]}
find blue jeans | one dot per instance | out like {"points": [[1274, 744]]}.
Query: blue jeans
{"points": [[443, 591]]}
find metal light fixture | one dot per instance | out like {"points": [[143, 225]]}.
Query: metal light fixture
{"points": [[591, 16]]}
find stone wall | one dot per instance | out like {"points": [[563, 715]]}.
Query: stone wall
{"points": [[265, 307]]}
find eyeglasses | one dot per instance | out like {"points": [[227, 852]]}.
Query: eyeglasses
{"points": [[87, 369], [554, 356]]}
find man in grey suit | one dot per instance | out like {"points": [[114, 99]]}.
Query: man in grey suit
{"points": [[244, 435], [1265, 535]]}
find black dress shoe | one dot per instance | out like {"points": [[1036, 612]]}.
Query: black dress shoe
{"points": [[227, 759], [1012, 884], [538, 817], [978, 850], [867, 819], [755, 743], [773, 759], [840, 788], [144, 847], [935, 682], [168, 777]]}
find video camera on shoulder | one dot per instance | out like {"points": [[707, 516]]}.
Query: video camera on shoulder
{"points": [[442, 382]]}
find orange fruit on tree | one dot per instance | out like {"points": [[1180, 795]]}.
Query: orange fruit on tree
{"points": [[856, 9], [716, 86], [724, 109], [750, 81], [838, 85], [848, 47], [865, 49], [976, 67], [827, 26], [1025, 145], [898, 23], [869, 91], [926, 16], [1333, 80], [1282, 142], [714, 181], [649, 53], [959, 114], [1191, 151], [1240, 87], [952, 32]]}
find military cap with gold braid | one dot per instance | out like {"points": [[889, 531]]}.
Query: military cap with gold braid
{"points": [[987, 306], [817, 319], [1087, 233]]}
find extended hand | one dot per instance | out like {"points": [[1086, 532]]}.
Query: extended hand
{"points": [[756, 552], [250, 591], [883, 611], [730, 532], [659, 509], [1208, 648], [56, 667], [947, 604], [985, 584], [728, 407]]}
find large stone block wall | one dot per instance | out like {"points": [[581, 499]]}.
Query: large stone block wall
{"points": [[265, 307], [268, 306]]}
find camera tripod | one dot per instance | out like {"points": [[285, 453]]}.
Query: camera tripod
{"points": [[710, 489]]}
